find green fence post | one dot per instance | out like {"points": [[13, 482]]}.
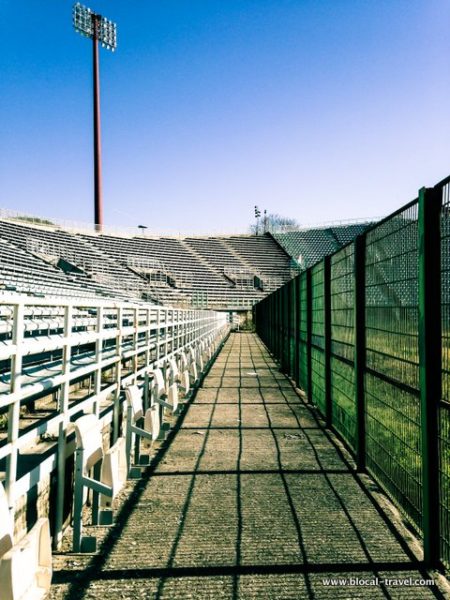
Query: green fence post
{"points": [[285, 326], [288, 328], [283, 318], [291, 327], [281, 326], [275, 325], [297, 331], [278, 324], [327, 337], [430, 364], [272, 323], [309, 332], [360, 349]]}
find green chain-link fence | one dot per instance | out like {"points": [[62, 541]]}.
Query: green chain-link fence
{"points": [[366, 334]]}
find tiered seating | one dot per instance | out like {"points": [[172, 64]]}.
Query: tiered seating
{"points": [[347, 233], [190, 273], [215, 252], [225, 272], [22, 272], [184, 271], [267, 258], [54, 244], [308, 246]]}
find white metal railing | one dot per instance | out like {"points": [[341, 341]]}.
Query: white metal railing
{"points": [[136, 231], [145, 264], [49, 347], [116, 230]]}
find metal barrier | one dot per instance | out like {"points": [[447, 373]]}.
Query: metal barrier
{"points": [[62, 359], [366, 334], [112, 469]]}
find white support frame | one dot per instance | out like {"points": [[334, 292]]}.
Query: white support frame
{"points": [[72, 325]]}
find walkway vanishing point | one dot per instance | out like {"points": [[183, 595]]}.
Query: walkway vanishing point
{"points": [[251, 498]]}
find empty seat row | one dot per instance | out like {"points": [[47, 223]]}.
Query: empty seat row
{"points": [[59, 262], [169, 386]]}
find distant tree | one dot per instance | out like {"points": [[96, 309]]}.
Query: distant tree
{"points": [[274, 223], [37, 220]]}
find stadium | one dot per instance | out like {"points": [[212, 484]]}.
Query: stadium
{"points": [[246, 415]]}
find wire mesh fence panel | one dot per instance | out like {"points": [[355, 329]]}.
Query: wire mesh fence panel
{"points": [[303, 333], [342, 289], [292, 326], [392, 373], [444, 408], [317, 392]]}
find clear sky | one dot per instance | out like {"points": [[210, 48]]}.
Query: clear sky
{"points": [[315, 109]]}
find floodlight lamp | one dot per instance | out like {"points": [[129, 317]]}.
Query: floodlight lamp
{"points": [[94, 26], [82, 20]]}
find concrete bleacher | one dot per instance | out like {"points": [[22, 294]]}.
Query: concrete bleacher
{"points": [[23, 272], [185, 270], [308, 246], [201, 264], [87, 272], [221, 272], [269, 259], [215, 251], [347, 233]]}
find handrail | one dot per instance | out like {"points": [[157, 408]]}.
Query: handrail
{"points": [[102, 345]]}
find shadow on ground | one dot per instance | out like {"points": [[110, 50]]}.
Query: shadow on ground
{"points": [[249, 498]]}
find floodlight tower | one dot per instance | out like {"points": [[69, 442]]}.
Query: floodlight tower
{"points": [[98, 29], [257, 215]]}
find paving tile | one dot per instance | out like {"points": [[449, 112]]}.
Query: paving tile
{"points": [[250, 500]]}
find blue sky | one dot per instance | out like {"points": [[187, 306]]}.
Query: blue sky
{"points": [[316, 109]]}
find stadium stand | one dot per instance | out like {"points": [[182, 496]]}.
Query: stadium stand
{"points": [[24, 272], [308, 246], [78, 325], [222, 273], [41, 252]]}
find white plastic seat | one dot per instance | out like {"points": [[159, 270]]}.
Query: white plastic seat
{"points": [[172, 381], [158, 388], [26, 567], [114, 471], [152, 423], [199, 356], [193, 364], [89, 439], [184, 372], [110, 474]]}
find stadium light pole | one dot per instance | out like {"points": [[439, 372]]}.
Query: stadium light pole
{"points": [[257, 215], [98, 29]]}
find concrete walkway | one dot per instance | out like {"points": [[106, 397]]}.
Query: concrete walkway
{"points": [[251, 498]]}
